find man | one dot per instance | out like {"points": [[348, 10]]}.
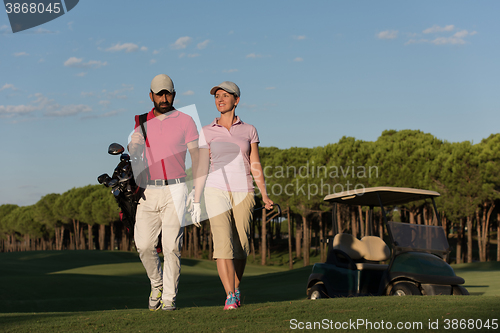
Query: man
{"points": [[169, 133]]}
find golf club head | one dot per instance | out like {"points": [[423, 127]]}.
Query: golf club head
{"points": [[115, 149], [104, 179], [112, 182], [125, 157]]}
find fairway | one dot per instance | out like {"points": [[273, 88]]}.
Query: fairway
{"points": [[73, 291]]}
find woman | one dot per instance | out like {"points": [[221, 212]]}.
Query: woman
{"points": [[231, 147]]}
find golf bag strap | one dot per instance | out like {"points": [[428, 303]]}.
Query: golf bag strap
{"points": [[143, 119]]}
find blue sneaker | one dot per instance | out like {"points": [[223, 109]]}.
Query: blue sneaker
{"points": [[237, 295], [230, 302]]}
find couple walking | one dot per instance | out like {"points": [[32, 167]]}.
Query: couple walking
{"points": [[224, 155]]}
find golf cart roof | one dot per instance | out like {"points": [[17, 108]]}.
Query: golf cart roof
{"points": [[389, 196]]}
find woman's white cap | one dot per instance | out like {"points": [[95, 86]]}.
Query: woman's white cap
{"points": [[228, 86]]}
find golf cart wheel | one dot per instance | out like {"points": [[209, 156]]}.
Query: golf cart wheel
{"points": [[405, 289], [317, 291], [459, 290]]}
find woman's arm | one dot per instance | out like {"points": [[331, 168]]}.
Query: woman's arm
{"points": [[258, 175], [201, 173]]}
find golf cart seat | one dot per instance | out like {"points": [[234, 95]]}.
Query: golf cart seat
{"points": [[364, 254]]}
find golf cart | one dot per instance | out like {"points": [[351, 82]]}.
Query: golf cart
{"points": [[414, 265]]}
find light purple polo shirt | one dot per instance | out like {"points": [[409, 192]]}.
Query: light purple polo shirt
{"points": [[166, 143], [229, 155]]}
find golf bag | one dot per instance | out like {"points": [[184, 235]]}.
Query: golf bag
{"points": [[123, 184]]}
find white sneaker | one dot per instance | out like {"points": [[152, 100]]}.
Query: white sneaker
{"points": [[155, 298]]}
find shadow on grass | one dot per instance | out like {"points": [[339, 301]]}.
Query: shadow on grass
{"points": [[69, 281]]}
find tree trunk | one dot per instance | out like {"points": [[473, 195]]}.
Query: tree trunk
{"points": [[322, 253], [76, 229], [486, 229], [91, 236], [196, 243], [204, 237], [381, 225], [210, 243], [412, 216], [339, 220], [83, 245], [252, 238], [298, 238], [460, 233], [263, 238], [307, 244], [354, 229], [290, 233], [102, 237], [361, 222], [498, 236], [469, 239], [112, 235]]}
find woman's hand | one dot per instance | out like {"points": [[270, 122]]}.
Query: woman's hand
{"points": [[267, 202]]}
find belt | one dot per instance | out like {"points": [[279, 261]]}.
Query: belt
{"points": [[165, 182]]}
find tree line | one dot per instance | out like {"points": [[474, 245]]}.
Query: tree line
{"points": [[467, 175]]}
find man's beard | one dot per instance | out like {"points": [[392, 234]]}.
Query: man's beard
{"points": [[163, 107]]}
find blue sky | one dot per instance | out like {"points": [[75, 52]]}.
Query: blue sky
{"points": [[309, 72]]}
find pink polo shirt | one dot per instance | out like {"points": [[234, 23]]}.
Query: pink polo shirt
{"points": [[229, 155], [166, 143]]}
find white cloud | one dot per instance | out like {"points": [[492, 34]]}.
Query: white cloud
{"points": [[188, 93], [388, 34], [104, 103], [8, 111], [230, 70], [152, 61], [181, 43], [69, 110], [118, 93], [203, 44], [436, 28], [43, 104], [20, 54], [444, 36], [298, 59], [301, 37], [253, 55], [104, 115], [70, 25], [87, 94], [247, 106], [156, 52], [143, 48], [78, 63], [127, 47], [81, 74], [193, 55], [44, 31], [448, 40], [8, 86]]}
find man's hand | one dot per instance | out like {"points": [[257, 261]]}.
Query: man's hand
{"points": [[190, 201], [196, 214], [136, 140]]}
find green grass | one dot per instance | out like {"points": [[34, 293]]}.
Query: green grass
{"points": [[94, 291]]}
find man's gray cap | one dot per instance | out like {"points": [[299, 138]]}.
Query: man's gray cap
{"points": [[162, 82], [228, 86]]}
